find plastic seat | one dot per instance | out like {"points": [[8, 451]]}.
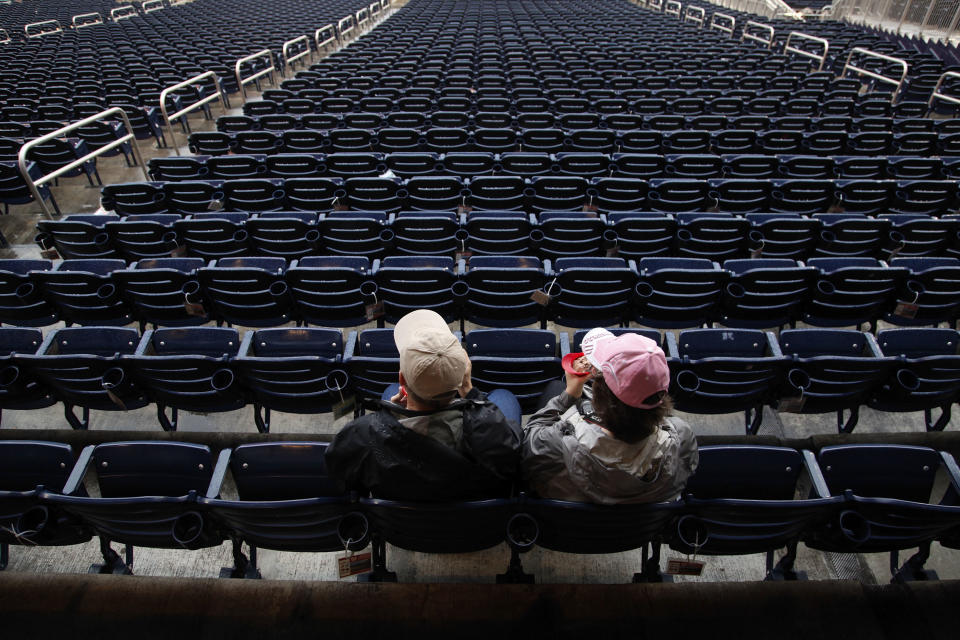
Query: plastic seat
{"points": [[891, 504], [522, 361], [292, 370], [236, 167], [918, 235], [285, 234], [83, 293], [142, 237], [253, 195], [764, 293], [141, 494], [58, 153], [435, 193], [78, 236], [674, 195], [188, 369], [295, 165], [426, 233], [467, 164], [746, 499], [21, 389], [677, 292], [314, 141], [748, 166], [332, 291], [929, 197], [372, 361], [285, 484], [407, 283], [808, 167], [250, 292], [831, 370], [502, 193], [640, 165], [29, 468], [782, 235], [543, 140], [734, 141], [188, 197], [178, 168], [82, 367], [926, 374], [801, 196], [861, 167], [725, 371], [398, 139], [214, 235], [587, 292], [313, 194], [14, 189], [637, 235], [715, 236], [864, 196], [355, 233], [155, 290], [852, 291], [498, 291], [928, 293], [567, 234], [526, 164], [211, 143], [21, 302]]}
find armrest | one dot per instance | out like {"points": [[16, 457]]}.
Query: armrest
{"points": [[350, 346], [219, 471], [75, 481], [816, 475]]}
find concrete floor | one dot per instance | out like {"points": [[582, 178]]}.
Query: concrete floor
{"points": [[75, 196]]}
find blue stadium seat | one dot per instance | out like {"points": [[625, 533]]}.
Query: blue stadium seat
{"points": [[560, 234], [78, 236], [293, 370], [831, 370], [929, 293], [283, 234], [407, 283], [19, 387], [21, 302], [725, 371], [522, 361], [746, 499], [83, 293], [889, 493], [285, 502], [373, 363], [82, 367], [498, 290], [332, 291], [141, 494], [852, 292], [764, 293], [677, 292], [187, 368], [157, 291], [248, 291], [589, 292]]}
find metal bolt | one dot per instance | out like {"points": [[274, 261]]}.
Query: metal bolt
{"points": [[200, 466], [104, 464], [244, 465]]}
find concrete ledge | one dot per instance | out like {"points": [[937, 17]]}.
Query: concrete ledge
{"points": [[94, 606]]}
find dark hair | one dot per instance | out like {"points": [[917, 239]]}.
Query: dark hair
{"points": [[626, 423]]}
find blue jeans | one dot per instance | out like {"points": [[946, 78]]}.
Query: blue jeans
{"points": [[505, 401]]}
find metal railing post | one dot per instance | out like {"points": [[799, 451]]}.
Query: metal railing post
{"points": [[758, 25], [287, 58], [242, 82], [936, 95], [26, 28], [152, 5], [728, 28], [123, 13], [319, 33], [218, 95], [362, 17], [673, 8], [822, 58], [76, 21], [695, 15], [343, 31], [877, 76], [53, 175], [4, 36]]}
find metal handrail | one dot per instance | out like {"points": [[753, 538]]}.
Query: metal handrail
{"points": [[241, 81], [758, 25], [942, 96], [196, 105], [695, 15], [151, 5], [122, 13], [365, 13], [673, 8], [174, 3], [348, 20], [384, 4], [26, 28], [76, 25], [5, 38], [813, 56], [719, 27], [877, 76], [319, 33], [25, 149], [287, 59], [655, 5], [374, 10]]}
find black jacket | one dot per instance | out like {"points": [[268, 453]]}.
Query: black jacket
{"points": [[377, 453]]}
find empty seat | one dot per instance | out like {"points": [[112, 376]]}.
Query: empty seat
{"points": [[188, 369], [764, 293], [83, 292], [82, 367], [725, 371], [147, 236], [498, 291], [928, 295], [782, 235], [21, 302], [78, 236], [159, 289], [284, 234], [213, 235], [831, 370], [588, 292], [522, 361], [293, 370], [332, 291], [355, 233], [497, 233], [677, 292], [373, 363], [851, 292], [250, 292], [406, 283]]}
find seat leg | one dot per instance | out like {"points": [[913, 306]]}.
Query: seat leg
{"points": [[753, 418], [112, 562], [75, 422], [651, 565], [4, 555], [261, 417], [380, 572], [515, 573], [784, 568], [243, 567], [851, 423], [165, 422], [940, 422], [912, 570]]}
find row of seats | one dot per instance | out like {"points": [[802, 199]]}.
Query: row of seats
{"points": [[586, 164], [311, 370], [551, 140], [546, 119], [535, 194], [742, 500], [550, 235]]}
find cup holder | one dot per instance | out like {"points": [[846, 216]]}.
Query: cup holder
{"points": [[106, 291], [736, 290], [688, 381], [644, 290], [337, 380], [32, 521], [854, 527], [9, 376], [187, 529], [826, 287], [523, 531], [798, 379], [692, 531], [908, 379], [354, 531], [222, 379]]}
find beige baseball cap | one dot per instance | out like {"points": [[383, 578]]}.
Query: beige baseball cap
{"points": [[431, 359]]}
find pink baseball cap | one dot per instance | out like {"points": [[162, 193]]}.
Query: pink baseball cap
{"points": [[633, 366]]}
